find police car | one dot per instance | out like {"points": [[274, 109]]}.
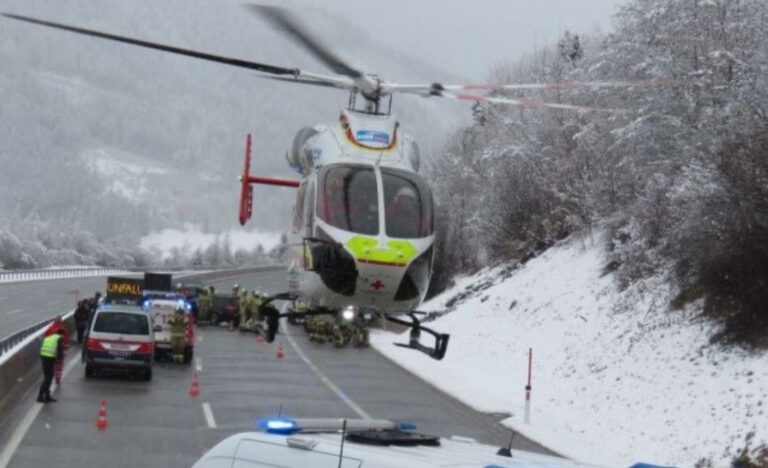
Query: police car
{"points": [[365, 443], [161, 306], [120, 337]]}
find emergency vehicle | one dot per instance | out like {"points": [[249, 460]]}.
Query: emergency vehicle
{"points": [[369, 443], [161, 306], [120, 338]]}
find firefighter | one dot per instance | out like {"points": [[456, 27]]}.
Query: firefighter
{"points": [[236, 317], [252, 310], [51, 351], [244, 307], [205, 300], [179, 323]]}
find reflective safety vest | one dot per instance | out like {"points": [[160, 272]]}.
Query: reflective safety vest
{"points": [[178, 326], [50, 347]]}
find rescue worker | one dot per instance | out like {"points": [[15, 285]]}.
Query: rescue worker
{"points": [[179, 323], [205, 304], [51, 351], [254, 302], [81, 319], [55, 327], [404, 213], [243, 307], [236, 297]]}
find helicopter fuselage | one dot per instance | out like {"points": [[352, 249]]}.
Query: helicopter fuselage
{"points": [[363, 230]]}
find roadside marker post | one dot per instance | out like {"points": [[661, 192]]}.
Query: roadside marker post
{"points": [[527, 416]]}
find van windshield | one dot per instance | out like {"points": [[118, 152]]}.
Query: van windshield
{"points": [[122, 323]]}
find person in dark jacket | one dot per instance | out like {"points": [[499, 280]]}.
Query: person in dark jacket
{"points": [[82, 313]]}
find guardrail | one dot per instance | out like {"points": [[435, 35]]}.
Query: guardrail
{"points": [[19, 361], [20, 351], [7, 276], [12, 340], [26, 275]]}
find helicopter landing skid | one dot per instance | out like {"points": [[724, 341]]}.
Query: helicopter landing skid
{"points": [[273, 316], [441, 339]]}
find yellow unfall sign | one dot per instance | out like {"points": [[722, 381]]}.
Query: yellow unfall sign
{"points": [[124, 288]]}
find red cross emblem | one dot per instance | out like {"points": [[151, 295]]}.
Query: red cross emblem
{"points": [[377, 285]]}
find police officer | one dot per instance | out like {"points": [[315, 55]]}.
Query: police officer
{"points": [[81, 319], [93, 304], [51, 351], [178, 323]]}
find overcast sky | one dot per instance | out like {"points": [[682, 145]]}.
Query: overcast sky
{"points": [[466, 37]]}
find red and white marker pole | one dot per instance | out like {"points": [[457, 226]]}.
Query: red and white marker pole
{"points": [[528, 389]]}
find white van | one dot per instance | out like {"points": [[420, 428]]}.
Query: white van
{"points": [[161, 309], [120, 337]]}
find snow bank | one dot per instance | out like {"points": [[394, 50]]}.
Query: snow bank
{"points": [[617, 377], [191, 239]]}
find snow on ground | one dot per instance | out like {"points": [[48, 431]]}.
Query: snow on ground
{"points": [[191, 239], [617, 377]]}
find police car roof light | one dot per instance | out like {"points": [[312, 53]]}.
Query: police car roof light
{"points": [[406, 425], [278, 426]]}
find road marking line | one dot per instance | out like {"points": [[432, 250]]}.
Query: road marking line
{"points": [[324, 378], [50, 303], [21, 430], [209, 415], [198, 365], [15, 311]]}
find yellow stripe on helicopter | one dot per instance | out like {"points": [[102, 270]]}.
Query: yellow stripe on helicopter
{"points": [[367, 250]]}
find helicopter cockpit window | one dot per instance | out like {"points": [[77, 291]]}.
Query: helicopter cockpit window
{"points": [[408, 202], [347, 199]]}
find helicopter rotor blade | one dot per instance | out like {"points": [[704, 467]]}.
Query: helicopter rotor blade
{"points": [[530, 103], [284, 20], [262, 67], [435, 89], [331, 82]]}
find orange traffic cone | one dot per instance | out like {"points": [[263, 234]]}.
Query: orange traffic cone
{"points": [[102, 422], [194, 390], [259, 338], [280, 352]]}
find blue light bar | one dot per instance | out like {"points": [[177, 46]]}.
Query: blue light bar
{"points": [[278, 426], [406, 426]]}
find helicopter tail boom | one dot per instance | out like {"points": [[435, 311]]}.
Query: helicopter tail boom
{"points": [[246, 189]]}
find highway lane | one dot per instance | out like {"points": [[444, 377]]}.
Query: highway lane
{"points": [[24, 304], [241, 380]]}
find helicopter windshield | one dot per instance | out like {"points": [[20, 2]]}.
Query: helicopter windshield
{"points": [[408, 204], [349, 199]]}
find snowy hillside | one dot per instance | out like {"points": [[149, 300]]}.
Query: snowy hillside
{"points": [[617, 377]]}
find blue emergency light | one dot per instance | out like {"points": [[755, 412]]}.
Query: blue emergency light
{"points": [[278, 426]]}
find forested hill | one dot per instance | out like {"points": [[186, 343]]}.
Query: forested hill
{"points": [[679, 178], [101, 141]]}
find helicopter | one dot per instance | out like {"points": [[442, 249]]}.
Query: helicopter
{"points": [[363, 231]]}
